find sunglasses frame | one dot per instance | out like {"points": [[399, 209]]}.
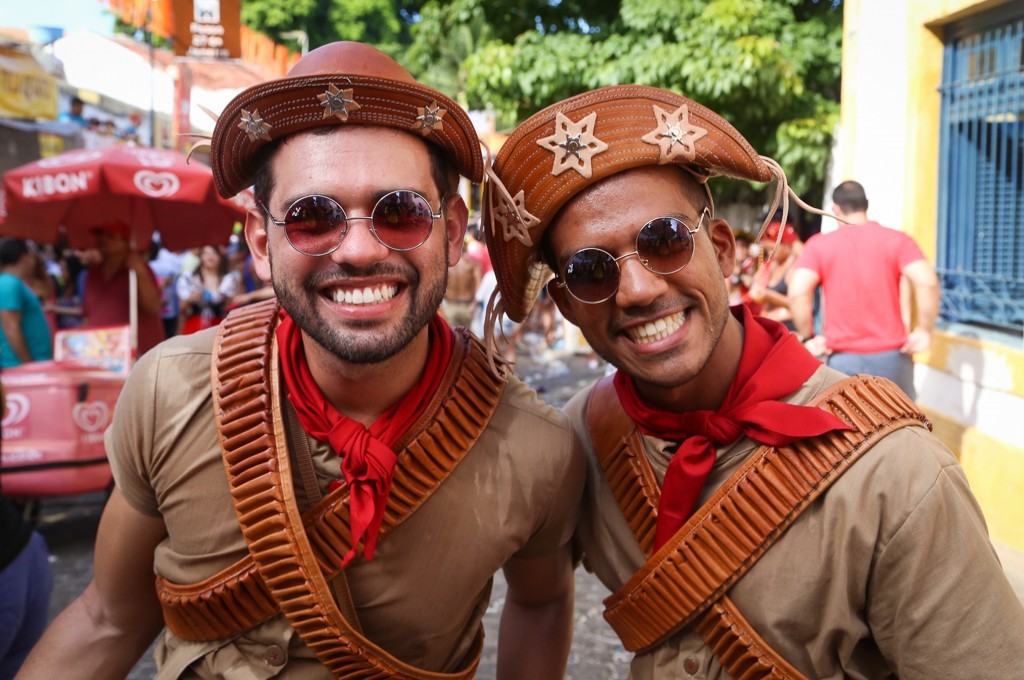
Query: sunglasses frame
{"points": [[562, 281], [346, 219]]}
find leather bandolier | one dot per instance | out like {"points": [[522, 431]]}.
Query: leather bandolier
{"points": [[292, 557], [687, 580]]}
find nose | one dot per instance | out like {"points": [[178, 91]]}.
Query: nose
{"points": [[638, 286], [359, 246]]}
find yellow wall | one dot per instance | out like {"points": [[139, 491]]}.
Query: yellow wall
{"points": [[994, 465]]}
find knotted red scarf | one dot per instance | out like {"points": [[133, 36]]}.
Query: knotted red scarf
{"points": [[774, 364], [367, 460]]}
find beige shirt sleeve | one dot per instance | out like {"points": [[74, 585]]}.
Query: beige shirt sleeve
{"points": [[938, 603]]}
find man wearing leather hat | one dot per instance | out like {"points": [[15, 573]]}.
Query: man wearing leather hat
{"points": [[754, 513], [325, 486]]}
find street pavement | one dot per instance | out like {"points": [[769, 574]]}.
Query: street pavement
{"points": [[69, 525]]}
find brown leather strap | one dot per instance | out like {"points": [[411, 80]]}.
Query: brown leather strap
{"points": [[307, 473], [727, 535], [742, 652], [290, 556]]}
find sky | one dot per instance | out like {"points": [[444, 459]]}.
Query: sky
{"points": [[70, 15]]}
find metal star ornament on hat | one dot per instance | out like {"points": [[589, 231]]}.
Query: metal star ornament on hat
{"points": [[568, 146], [343, 83]]}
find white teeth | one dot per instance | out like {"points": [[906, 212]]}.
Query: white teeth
{"points": [[364, 296], [656, 330]]}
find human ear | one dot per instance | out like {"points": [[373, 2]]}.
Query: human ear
{"points": [[724, 243], [561, 298], [456, 217], [257, 238]]}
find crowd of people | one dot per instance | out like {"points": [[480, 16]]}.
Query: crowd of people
{"points": [[328, 491], [97, 132], [46, 288]]}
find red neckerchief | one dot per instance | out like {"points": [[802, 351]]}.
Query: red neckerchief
{"points": [[367, 460], [774, 364]]}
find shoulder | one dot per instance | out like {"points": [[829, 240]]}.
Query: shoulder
{"points": [[576, 408], [525, 410], [176, 357], [529, 436], [11, 285]]}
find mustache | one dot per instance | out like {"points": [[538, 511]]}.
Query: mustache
{"points": [[345, 271]]}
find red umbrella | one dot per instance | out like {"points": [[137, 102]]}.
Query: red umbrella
{"points": [[148, 189]]}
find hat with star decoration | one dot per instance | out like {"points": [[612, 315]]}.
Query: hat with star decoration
{"points": [[568, 146], [342, 83]]}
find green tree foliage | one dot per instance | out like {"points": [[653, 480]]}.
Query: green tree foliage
{"points": [[770, 67], [378, 22]]}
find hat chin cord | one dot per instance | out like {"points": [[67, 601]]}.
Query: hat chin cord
{"points": [[782, 194]]}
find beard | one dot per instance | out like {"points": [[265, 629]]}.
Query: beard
{"points": [[364, 342]]}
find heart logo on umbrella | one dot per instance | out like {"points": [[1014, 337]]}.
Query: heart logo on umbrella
{"points": [[91, 416], [17, 409], [156, 184]]}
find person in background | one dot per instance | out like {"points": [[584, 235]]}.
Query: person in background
{"points": [[205, 293], [75, 113], [68, 307], [251, 287], [460, 295], [862, 260], [771, 280], [432, 469], [106, 298], [42, 283], [26, 582], [475, 248], [743, 271], [24, 331], [754, 512], [132, 132]]}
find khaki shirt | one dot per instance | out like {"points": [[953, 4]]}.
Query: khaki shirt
{"points": [[889, 574], [421, 598]]}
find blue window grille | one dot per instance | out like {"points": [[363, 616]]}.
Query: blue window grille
{"points": [[980, 258]]}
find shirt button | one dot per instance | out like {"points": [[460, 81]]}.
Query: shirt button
{"points": [[274, 655], [690, 665]]}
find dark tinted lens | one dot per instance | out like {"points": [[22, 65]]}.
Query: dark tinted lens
{"points": [[664, 245], [314, 225], [402, 220], [592, 275]]}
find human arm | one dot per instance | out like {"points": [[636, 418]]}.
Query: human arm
{"points": [[536, 623], [10, 321], [938, 597], [262, 293], [926, 298], [761, 292], [801, 300], [802, 284], [148, 289], [105, 631]]}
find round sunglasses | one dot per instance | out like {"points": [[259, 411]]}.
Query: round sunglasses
{"points": [[664, 246], [315, 225]]}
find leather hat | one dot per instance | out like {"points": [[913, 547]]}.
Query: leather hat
{"points": [[343, 83], [568, 146]]}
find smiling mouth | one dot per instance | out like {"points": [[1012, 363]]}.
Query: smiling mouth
{"points": [[658, 329], [370, 295]]}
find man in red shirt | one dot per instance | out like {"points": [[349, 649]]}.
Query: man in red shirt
{"points": [[105, 301], [859, 267]]}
